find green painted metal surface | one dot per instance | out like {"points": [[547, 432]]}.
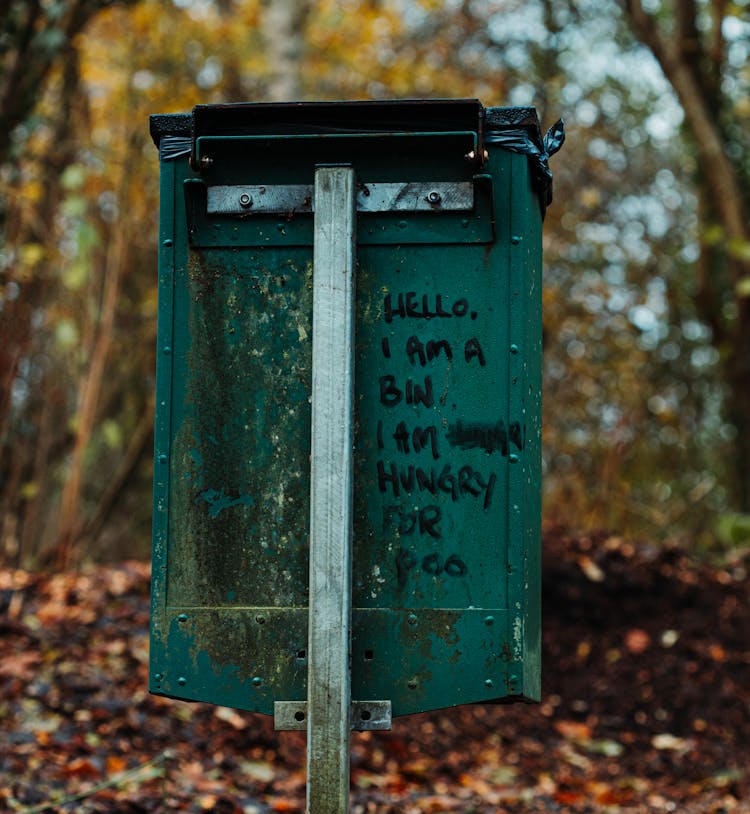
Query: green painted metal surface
{"points": [[447, 430]]}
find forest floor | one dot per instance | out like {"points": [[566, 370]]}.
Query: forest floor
{"points": [[646, 705]]}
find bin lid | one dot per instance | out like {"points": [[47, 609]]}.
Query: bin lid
{"points": [[515, 128], [283, 118]]}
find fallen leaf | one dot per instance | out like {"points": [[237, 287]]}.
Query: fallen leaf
{"points": [[19, 665], [115, 763], [231, 716], [285, 804], [258, 770], [591, 569], [567, 797], [666, 741], [637, 641], [669, 638], [573, 730], [608, 748], [80, 767], [727, 777], [717, 652], [502, 775]]}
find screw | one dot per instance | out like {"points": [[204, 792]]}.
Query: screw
{"points": [[206, 162], [182, 681], [488, 620], [488, 683], [183, 617], [261, 620], [434, 198], [514, 349], [257, 681], [513, 459], [412, 684], [411, 619], [246, 200]]}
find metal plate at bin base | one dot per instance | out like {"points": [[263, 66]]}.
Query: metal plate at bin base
{"points": [[364, 715]]}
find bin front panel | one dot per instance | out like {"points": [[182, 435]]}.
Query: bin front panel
{"points": [[446, 439]]}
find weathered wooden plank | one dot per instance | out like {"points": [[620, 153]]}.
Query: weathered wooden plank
{"points": [[331, 481]]}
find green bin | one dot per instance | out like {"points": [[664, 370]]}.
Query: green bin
{"points": [[447, 401]]}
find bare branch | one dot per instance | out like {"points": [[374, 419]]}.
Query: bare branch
{"points": [[688, 37], [723, 183], [717, 50]]}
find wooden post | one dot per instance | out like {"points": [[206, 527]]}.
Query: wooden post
{"points": [[331, 480]]}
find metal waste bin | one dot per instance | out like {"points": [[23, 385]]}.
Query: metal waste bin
{"points": [[447, 202]]}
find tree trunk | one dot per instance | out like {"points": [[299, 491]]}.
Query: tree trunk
{"points": [[141, 438], [70, 522], [738, 409], [283, 27], [692, 62]]}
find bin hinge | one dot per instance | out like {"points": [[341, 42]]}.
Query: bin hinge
{"points": [[416, 196], [363, 715]]}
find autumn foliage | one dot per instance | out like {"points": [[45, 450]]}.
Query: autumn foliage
{"points": [[646, 246]]}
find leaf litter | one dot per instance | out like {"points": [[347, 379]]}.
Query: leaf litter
{"points": [[645, 708]]}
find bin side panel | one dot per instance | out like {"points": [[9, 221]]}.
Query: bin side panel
{"points": [[433, 433], [526, 220], [241, 418]]}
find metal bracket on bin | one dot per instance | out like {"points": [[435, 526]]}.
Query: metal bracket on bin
{"points": [[363, 715], [421, 196]]}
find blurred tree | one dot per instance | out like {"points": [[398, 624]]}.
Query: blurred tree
{"points": [[34, 37], [36, 43], [702, 50], [283, 30], [642, 358]]}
